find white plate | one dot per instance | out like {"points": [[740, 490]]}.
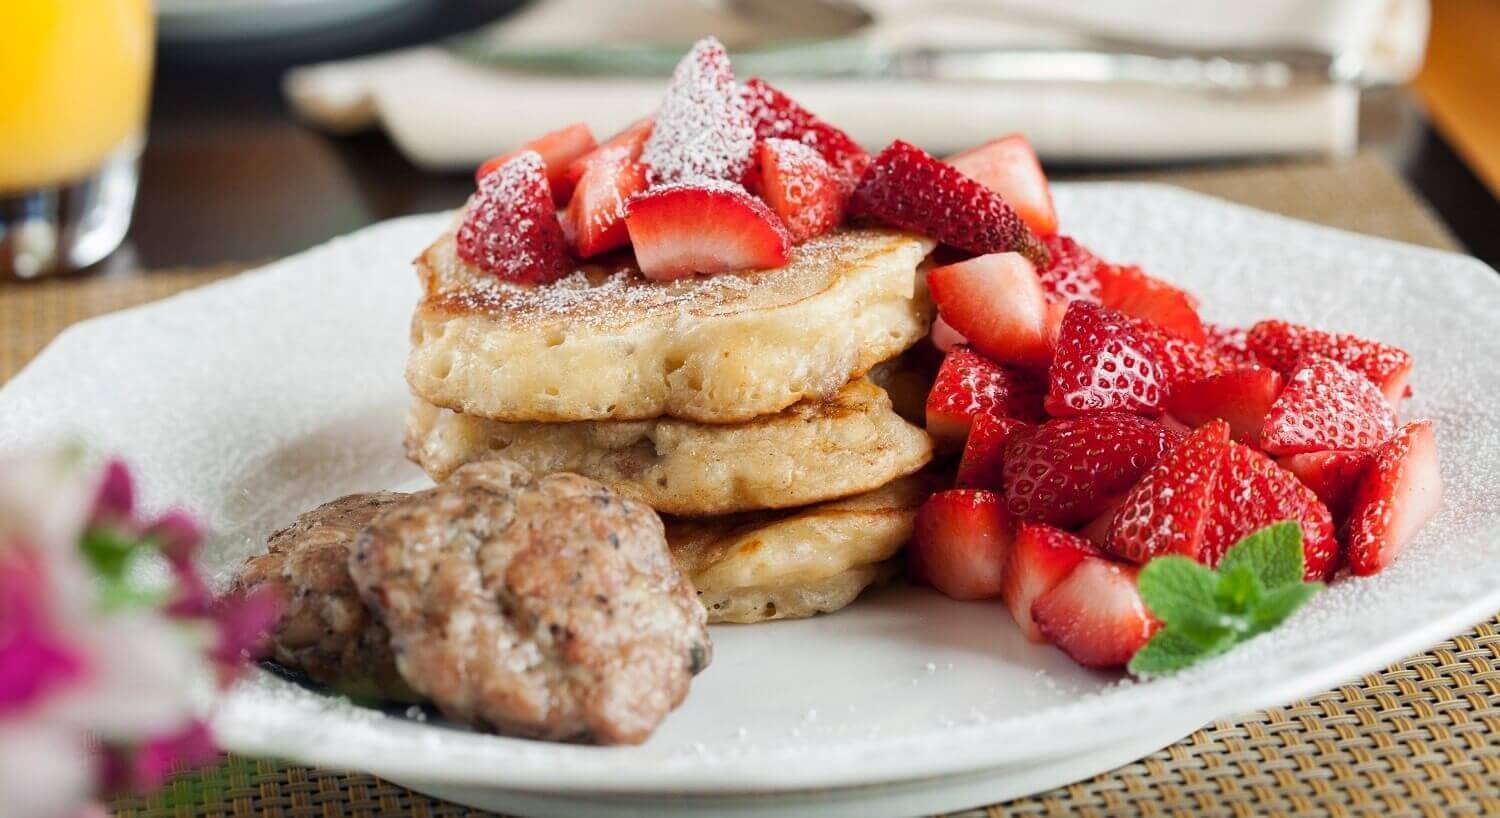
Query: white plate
{"points": [[182, 21], [259, 397]]}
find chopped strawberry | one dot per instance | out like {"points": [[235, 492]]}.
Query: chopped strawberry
{"points": [[607, 178], [1041, 557], [1095, 614], [1282, 345], [968, 385], [1009, 167], [774, 115], [1182, 361], [801, 187], [1240, 396], [1072, 272], [1067, 470], [702, 130], [703, 227], [996, 302], [510, 227], [1252, 492], [1102, 362], [944, 336], [1326, 405], [1230, 344], [983, 462], [632, 140], [559, 149], [1138, 295], [906, 187], [961, 543], [1333, 476], [1168, 510], [1400, 492], [1096, 530]]}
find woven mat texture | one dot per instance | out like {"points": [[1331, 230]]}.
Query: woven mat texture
{"points": [[1419, 738]]}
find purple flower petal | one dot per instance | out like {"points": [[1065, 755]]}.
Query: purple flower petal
{"points": [[114, 501], [191, 599], [243, 621], [191, 746], [178, 532], [33, 660]]}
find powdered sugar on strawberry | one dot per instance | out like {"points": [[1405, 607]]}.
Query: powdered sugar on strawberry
{"points": [[702, 129]]}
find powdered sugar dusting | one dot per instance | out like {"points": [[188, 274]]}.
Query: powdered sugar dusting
{"points": [[702, 128], [510, 227]]}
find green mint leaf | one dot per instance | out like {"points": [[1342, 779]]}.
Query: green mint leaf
{"points": [[1273, 554], [1167, 652], [1279, 604], [1179, 591], [1238, 591]]}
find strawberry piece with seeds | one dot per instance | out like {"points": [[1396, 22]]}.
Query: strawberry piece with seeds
{"points": [[1252, 492], [995, 302], [1326, 405], [801, 187], [632, 140], [1182, 361], [774, 115], [510, 227], [969, 385], [607, 178], [961, 543], [1009, 167], [1333, 476], [906, 187], [1241, 396], [704, 227], [1072, 272], [1101, 363], [1230, 344], [1167, 512], [1400, 492], [983, 462], [559, 149], [1096, 614], [702, 129], [1138, 295], [1041, 557], [1283, 345], [1067, 471]]}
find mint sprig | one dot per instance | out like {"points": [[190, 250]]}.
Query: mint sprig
{"points": [[1207, 611]]}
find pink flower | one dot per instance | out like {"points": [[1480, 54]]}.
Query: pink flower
{"points": [[34, 661], [243, 621], [147, 765], [114, 500], [178, 533]]}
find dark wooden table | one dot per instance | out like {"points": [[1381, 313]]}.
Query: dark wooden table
{"points": [[229, 175]]}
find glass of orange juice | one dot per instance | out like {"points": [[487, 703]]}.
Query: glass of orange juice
{"points": [[75, 77]]}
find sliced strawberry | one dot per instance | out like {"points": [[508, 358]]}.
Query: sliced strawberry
{"points": [[1230, 344], [996, 302], [961, 543], [1067, 470], [906, 187], [1252, 492], [1102, 363], [1138, 295], [703, 227], [1041, 557], [631, 140], [1182, 361], [702, 130], [1326, 405], [1282, 345], [1009, 167], [1400, 492], [559, 149], [969, 384], [608, 177], [774, 115], [1095, 614], [1240, 396], [1072, 272], [983, 462], [510, 227], [1096, 530], [1168, 510], [944, 336], [1332, 476], [801, 187]]}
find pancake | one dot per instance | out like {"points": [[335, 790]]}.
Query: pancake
{"points": [[815, 450], [607, 344], [792, 564]]}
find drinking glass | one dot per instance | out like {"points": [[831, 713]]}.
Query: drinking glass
{"points": [[75, 77]]}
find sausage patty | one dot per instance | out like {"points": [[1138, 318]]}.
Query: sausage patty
{"points": [[547, 608]]}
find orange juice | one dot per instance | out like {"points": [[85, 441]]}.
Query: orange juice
{"points": [[74, 80]]}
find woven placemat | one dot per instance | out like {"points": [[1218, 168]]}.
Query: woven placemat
{"points": [[1420, 738]]}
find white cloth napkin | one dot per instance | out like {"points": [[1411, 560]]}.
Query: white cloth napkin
{"points": [[445, 112]]}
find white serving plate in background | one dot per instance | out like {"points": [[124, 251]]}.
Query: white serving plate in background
{"points": [[262, 396]]}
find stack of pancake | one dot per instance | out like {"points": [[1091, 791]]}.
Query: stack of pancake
{"points": [[744, 407]]}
